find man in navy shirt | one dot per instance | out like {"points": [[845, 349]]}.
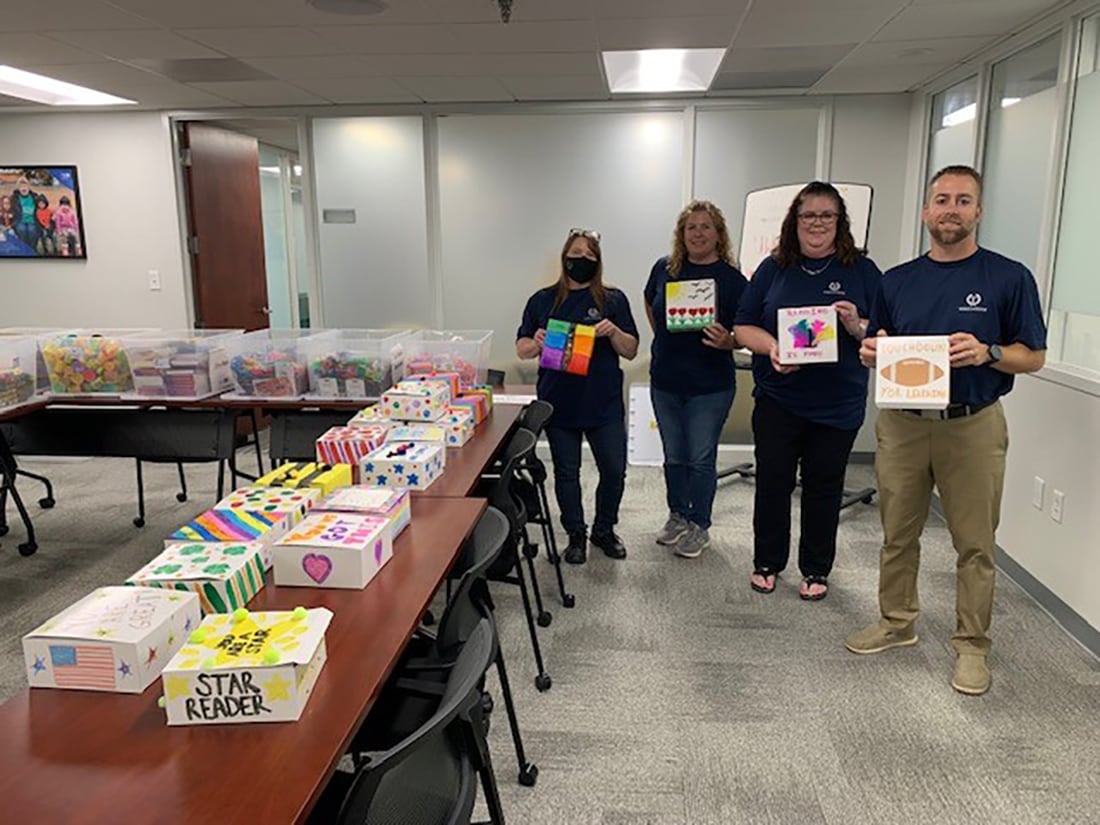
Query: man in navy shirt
{"points": [[989, 306]]}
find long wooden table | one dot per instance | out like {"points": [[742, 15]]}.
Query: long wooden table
{"points": [[73, 757]]}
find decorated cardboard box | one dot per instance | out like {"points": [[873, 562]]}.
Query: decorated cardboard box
{"points": [[434, 433], [568, 347], [913, 371], [347, 445], [412, 464], [301, 475], [333, 550], [452, 380], [393, 504], [369, 417], [476, 405], [807, 335], [416, 401], [247, 667], [690, 306], [232, 527], [114, 639], [459, 423], [225, 576]]}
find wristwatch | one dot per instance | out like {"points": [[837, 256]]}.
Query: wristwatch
{"points": [[994, 353]]}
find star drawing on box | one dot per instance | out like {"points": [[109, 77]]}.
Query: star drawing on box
{"points": [[187, 625], [413, 479], [368, 467], [277, 688], [124, 669], [399, 469], [152, 656], [381, 481], [39, 664], [103, 632]]}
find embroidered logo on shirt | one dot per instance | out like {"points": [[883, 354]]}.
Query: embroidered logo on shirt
{"points": [[835, 288], [973, 303], [593, 313]]}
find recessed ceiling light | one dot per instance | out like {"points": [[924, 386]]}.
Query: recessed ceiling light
{"points": [[661, 70], [41, 89], [350, 6]]}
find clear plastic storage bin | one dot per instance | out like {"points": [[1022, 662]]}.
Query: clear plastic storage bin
{"points": [[18, 370], [465, 352], [43, 378], [273, 363], [88, 362], [356, 363], [181, 364]]}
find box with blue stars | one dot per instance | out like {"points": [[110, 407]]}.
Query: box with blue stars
{"points": [[115, 639], [411, 464]]}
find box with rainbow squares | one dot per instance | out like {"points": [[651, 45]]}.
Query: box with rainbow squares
{"points": [[224, 576], [115, 639], [246, 667]]}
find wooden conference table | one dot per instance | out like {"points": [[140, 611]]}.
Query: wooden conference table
{"points": [[68, 756]]}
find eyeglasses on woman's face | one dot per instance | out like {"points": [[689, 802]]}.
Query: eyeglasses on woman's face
{"points": [[810, 218]]}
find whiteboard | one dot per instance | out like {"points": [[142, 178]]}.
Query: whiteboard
{"points": [[765, 210], [644, 439]]}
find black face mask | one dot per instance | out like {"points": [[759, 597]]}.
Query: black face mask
{"points": [[581, 270]]}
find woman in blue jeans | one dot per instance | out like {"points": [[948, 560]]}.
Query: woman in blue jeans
{"points": [[692, 379], [585, 406]]}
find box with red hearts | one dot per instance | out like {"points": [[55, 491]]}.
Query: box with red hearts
{"points": [[343, 550], [690, 305]]}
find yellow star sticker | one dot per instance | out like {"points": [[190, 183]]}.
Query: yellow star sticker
{"points": [[103, 632], [277, 688], [176, 686]]}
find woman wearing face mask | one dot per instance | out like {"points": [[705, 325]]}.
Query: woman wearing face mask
{"points": [[691, 374], [588, 406]]}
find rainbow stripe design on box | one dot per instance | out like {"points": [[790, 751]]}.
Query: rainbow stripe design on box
{"points": [[226, 525]]}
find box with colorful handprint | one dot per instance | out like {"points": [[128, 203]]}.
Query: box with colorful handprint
{"points": [[807, 335], [225, 576], [333, 550]]}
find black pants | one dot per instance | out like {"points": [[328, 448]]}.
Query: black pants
{"points": [[608, 445], [783, 440]]}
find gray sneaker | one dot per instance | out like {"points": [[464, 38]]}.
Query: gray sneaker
{"points": [[674, 528], [692, 543]]}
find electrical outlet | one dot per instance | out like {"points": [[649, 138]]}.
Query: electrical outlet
{"points": [[1057, 502], [1038, 488], [154, 280]]}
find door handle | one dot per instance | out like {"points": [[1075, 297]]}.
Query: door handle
{"points": [[265, 310]]}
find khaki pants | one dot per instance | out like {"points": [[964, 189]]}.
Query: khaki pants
{"points": [[965, 459]]}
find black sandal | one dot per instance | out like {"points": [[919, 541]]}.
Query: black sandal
{"points": [[764, 572], [811, 580]]}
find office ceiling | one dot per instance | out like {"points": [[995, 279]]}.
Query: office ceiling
{"points": [[209, 54]]}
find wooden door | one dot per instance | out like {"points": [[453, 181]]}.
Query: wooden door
{"points": [[222, 171]]}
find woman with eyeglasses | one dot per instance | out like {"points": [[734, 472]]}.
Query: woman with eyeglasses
{"points": [[805, 415], [585, 406], [692, 379]]}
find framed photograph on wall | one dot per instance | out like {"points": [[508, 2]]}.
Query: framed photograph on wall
{"points": [[40, 213]]}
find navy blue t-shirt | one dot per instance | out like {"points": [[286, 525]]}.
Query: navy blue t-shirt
{"points": [[834, 395], [680, 361], [581, 401], [990, 296]]}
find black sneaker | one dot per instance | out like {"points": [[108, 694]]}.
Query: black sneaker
{"points": [[577, 551], [611, 544]]}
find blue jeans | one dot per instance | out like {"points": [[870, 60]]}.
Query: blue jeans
{"points": [[690, 426], [608, 445]]}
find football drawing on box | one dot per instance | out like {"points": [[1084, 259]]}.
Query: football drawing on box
{"points": [[246, 667], [115, 639], [333, 550], [913, 372], [807, 335], [690, 305], [568, 347], [40, 213]]}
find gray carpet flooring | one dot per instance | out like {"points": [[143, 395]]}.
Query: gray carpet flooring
{"points": [[681, 696]]}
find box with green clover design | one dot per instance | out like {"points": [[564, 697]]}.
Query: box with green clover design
{"points": [[225, 575]]}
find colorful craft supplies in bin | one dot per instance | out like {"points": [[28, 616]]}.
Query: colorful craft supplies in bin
{"points": [[18, 370], [35, 334], [690, 306], [180, 364], [347, 445], [355, 363], [459, 424], [115, 639], [465, 352], [247, 667], [330, 549], [88, 362], [299, 475], [416, 401], [392, 504], [568, 347], [272, 363], [224, 576], [412, 464]]}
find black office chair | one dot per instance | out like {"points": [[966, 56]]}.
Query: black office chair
{"points": [[428, 777], [9, 471], [181, 496]]}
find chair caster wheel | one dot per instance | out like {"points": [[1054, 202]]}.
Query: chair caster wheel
{"points": [[866, 499], [429, 618], [529, 776], [181, 497], [28, 549], [531, 550], [568, 600], [46, 503], [544, 619], [4, 529], [542, 682], [139, 521], [486, 704]]}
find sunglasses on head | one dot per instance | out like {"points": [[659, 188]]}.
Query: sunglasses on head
{"points": [[585, 233]]}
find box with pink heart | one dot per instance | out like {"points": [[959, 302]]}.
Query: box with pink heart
{"points": [[343, 550]]}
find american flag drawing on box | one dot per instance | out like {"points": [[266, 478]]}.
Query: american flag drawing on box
{"points": [[83, 666]]}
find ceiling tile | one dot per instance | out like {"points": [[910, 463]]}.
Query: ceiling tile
{"points": [[267, 41], [243, 13], [34, 50], [67, 14], [778, 79], [129, 43], [975, 18], [776, 58], [105, 75], [359, 90], [611, 9], [842, 80], [202, 70], [556, 88], [262, 93], [293, 68], [456, 89], [941, 51], [797, 23], [666, 33], [439, 39], [549, 36], [178, 96], [541, 64]]}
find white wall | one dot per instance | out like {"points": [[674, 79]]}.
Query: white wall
{"points": [[131, 223], [1053, 433]]}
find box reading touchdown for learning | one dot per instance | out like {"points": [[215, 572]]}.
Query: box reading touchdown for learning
{"points": [[114, 639], [333, 550], [247, 667], [807, 335], [913, 371]]}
